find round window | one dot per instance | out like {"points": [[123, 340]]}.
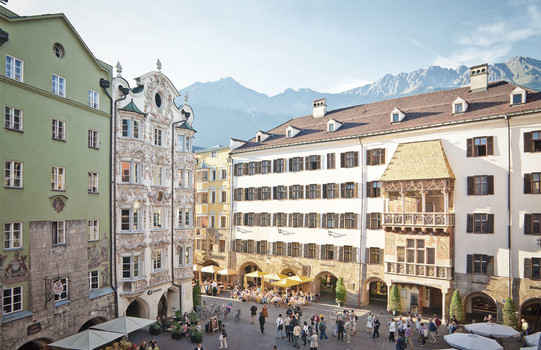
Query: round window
{"points": [[58, 50], [158, 100]]}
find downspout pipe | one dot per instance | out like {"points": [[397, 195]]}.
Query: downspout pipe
{"points": [[362, 227], [509, 245], [173, 213]]}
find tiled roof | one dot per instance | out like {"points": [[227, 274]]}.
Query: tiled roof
{"points": [[185, 125], [131, 107], [425, 110]]}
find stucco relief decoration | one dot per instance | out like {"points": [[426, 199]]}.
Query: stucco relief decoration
{"points": [[16, 270], [157, 84], [159, 239], [443, 248], [183, 272], [58, 204], [132, 242], [105, 276], [104, 247], [159, 277], [94, 256], [139, 285]]}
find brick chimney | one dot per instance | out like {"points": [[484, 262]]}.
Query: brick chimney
{"points": [[320, 108], [479, 77]]}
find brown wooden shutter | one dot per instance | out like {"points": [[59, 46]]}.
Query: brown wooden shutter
{"points": [[318, 191], [336, 189], [274, 165], [274, 248], [289, 249], [527, 224], [380, 255], [324, 221], [290, 164], [368, 157], [274, 192], [355, 254], [324, 194], [342, 220], [469, 148], [307, 163], [258, 219], [355, 190], [342, 160], [301, 196], [490, 265], [367, 255], [469, 263], [260, 193], [318, 221], [305, 250], [245, 169], [318, 162], [274, 219], [469, 226], [490, 184], [368, 221], [236, 169], [301, 163], [527, 268], [528, 143], [470, 185], [341, 254], [490, 226], [527, 183], [369, 189], [290, 220], [356, 158], [246, 192], [258, 168], [382, 156], [343, 190], [490, 145], [307, 191], [355, 220], [290, 192], [307, 220], [301, 219]]}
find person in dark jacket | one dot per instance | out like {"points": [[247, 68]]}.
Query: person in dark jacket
{"points": [[262, 322], [253, 312], [376, 323], [223, 338], [401, 342]]}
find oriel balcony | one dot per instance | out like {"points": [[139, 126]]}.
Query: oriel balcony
{"points": [[437, 220], [419, 270]]}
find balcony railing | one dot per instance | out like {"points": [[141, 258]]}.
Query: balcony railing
{"points": [[419, 219], [419, 270]]}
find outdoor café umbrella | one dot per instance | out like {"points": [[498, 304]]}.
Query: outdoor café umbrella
{"points": [[124, 324], [211, 269], [227, 272], [86, 340], [256, 274], [468, 341], [285, 283], [274, 276], [533, 339], [301, 279], [493, 330]]}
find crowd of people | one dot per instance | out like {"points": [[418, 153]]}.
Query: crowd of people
{"points": [[275, 296]]}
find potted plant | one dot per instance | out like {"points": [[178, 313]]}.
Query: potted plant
{"points": [[394, 300], [195, 335], [154, 329], [196, 295], [220, 325], [340, 292], [456, 309], [193, 317], [176, 331], [178, 315]]}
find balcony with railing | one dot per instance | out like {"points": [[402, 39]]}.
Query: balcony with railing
{"points": [[419, 270], [436, 220]]}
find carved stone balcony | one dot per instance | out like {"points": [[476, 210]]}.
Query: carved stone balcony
{"points": [[420, 220], [419, 270]]}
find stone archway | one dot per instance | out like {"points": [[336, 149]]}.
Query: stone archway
{"points": [[288, 272], [92, 322], [375, 292], [36, 344], [138, 308], [246, 268], [324, 284], [479, 305], [531, 312]]}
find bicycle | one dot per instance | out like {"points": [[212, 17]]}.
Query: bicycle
{"points": [[237, 316]]}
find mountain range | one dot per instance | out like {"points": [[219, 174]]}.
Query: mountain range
{"points": [[226, 108]]}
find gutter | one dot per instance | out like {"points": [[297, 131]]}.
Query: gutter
{"points": [[509, 246], [173, 213], [362, 224]]}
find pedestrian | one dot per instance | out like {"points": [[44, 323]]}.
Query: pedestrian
{"points": [[392, 329], [262, 322], [305, 332], [198, 347], [401, 343], [437, 322], [223, 338], [334, 319], [376, 323], [432, 330], [143, 345], [152, 344], [407, 335], [253, 312], [340, 328], [280, 326], [370, 323], [353, 320], [296, 334], [313, 341], [423, 333], [322, 327], [265, 311], [418, 321], [289, 329], [287, 322], [347, 330], [524, 327]]}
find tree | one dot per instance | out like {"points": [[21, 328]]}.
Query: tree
{"points": [[340, 291], [456, 308], [394, 299], [196, 294], [509, 315]]}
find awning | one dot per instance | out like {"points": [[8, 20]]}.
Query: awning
{"points": [[418, 161], [86, 340], [124, 324], [227, 272], [301, 279], [256, 274], [285, 283], [211, 269], [274, 276]]}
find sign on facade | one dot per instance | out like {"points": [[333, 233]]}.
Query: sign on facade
{"points": [[58, 288]]}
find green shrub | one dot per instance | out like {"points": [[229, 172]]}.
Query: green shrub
{"points": [[394, 299], [193, 317], [340, 291], [456, 307], [509, 315], [154, 328], [196, 294]]}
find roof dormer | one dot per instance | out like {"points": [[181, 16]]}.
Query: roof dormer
{"points": [[459, 105], [517, 96], [261, 136], [292, 131], [333, 125], [397, 115]]}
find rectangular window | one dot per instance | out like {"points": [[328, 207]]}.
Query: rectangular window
{"points": [[126, 127], [180, 143], [313, 220], [252, 168], [224, 173], [280, 219], [532, 183], [311, 252], [373, 221], [125, 172], [295, 164], [131, 266], [188, 255], [157, 218], [266, 167], [279, 248], [129, 219], [401, 254], [64, 294], [13, 299], [458, 108], [313, 191], [331, 160], [93, 99], [202, 175], [517, 98], [329, 191], [280, 192], [157, 175], [480, 146], [348, 190], [93, 139], [213, 196], [375, 256], [188, 147], [93, 230], [295, 249], [532, 141], [265, 219], [94, 279], [59, 85], [373, 189], [536, 268], [297, 220], [58, 130], [13, 235], [296, 192], [348, 253], [223, 196], [313, 162], [223, 221], [156, 259], [213, 175], [480, 263], [58, 179], [375, 156], [157, 137], [92, 182], [430, 256], [332, 220], [532, 224], [351, 220], [480, 185], [480, 223], [279, 165], [13, 174], [59, 232], [328, 252], [14, 68], [13, 118]]}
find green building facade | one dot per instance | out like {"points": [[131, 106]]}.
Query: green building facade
{"points": [[55, 201]]}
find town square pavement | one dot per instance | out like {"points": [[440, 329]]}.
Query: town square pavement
{"points": [[243, 335]]}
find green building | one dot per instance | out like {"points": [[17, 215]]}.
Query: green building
{"points": [[55, 201]]}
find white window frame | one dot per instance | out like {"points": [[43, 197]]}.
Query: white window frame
{"points": [[93, 99], [58, 178], [181, 143], [188, 255], [134, 272], [134, 219], [180, 255], [212, 221], [58, 232], [188, 147], [223, 174], [59, 86], [65, 292], [13, 174], [13, 235], [12, 65], [189, 179], [158, 260], [58, 131], [94, 279], [157, 175], [93, 139], [158, 137], [93, 230], [93, 182], [12, 299], [13, 118], [158, 222]]}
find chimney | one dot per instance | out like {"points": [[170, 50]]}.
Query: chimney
{"points": [[320, 108], [479, 77]]}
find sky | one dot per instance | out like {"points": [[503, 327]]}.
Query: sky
{"points": [[272, 45]]}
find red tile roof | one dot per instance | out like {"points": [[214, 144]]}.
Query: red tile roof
{"points": [[425, 110]]}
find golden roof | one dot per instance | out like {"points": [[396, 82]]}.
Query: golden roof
{"points": [[418, 161]]}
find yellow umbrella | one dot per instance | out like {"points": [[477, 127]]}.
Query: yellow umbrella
{"points": [[197, 267], [227, 272], [211, 269], [301, 279], [255, 274], [285, 283], [274, 276]]}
